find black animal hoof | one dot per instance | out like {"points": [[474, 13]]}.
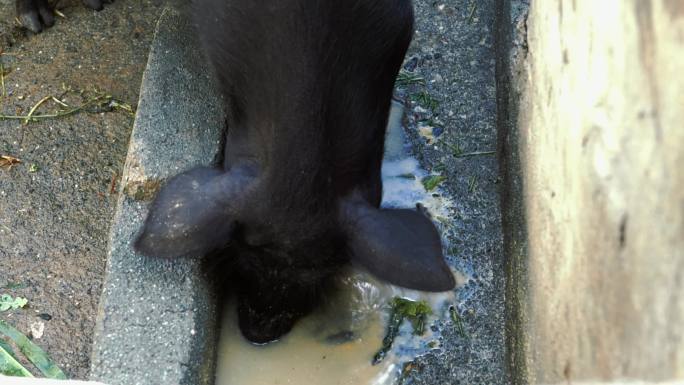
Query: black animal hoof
{"points": [[34, 14], [94, 4]]}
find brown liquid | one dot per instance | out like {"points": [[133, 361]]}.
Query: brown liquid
{"points": [[333, 346]]}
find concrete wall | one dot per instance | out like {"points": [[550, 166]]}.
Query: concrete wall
{"points": [[591, 125]]}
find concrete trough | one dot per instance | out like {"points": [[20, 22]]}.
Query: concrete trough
{"points": [[158, 320]]}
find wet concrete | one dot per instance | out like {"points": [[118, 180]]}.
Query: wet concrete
{"points": [[56, 207], [451, 121]]}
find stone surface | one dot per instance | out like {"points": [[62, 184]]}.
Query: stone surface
{"points": [[56, 207], [591, 124], [158, 318], [453, 53], [42, 381]]}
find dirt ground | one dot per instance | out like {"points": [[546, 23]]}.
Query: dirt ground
{"points": [[56, 206]]}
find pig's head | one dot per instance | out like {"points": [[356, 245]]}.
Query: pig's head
{"points": [[282, 254]]}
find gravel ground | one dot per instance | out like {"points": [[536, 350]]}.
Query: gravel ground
{"points": [[56, 207]]}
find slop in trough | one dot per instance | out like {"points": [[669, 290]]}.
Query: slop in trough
{"points": [[159, 319]]}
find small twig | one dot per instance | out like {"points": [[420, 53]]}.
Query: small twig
{"points": [[112, 185], [6, 228], [66, 91], [472, 184], [405, 78], [476, 153], [472, 12], [60, 102], [60, 14], [457, 321], [7, 161], [60, 114], [35, 107], [100, 100], [2, 78]]}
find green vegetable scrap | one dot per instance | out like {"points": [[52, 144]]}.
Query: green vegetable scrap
{"points": [[405, 78], [431, 182], [9, 366], [34, 354], [425, 100], [392, 330], [415, 311], [401, 308], [14, 286], [7, 302], [472, 184], [456, 149], [7, 348], [457, 321]]}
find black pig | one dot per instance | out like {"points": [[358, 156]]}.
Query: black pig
{"points": [[308, 85], [34, 14]]}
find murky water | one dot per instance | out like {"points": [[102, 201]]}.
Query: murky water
{"points": [[333, 346], [336, 344]]}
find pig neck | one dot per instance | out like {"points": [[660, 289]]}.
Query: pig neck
{"points": [[323, 153]]}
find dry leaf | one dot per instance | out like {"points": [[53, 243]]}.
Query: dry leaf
{"points": [[7, 161]]}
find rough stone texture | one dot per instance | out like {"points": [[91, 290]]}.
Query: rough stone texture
{"points": [[455, 104], [158, 318], [591, 132], [42, 381], [56, 207]]}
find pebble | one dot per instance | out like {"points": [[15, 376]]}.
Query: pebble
{"points": [[45, 316], [411, 64], [37, 329]]}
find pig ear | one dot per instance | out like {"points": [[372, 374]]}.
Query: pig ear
{"points": [[397, 245], [193, 214]]}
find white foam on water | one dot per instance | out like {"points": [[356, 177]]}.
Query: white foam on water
{"points": [[403, 188]]}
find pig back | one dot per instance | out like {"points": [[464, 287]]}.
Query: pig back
{"points": [[308, 85]]}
